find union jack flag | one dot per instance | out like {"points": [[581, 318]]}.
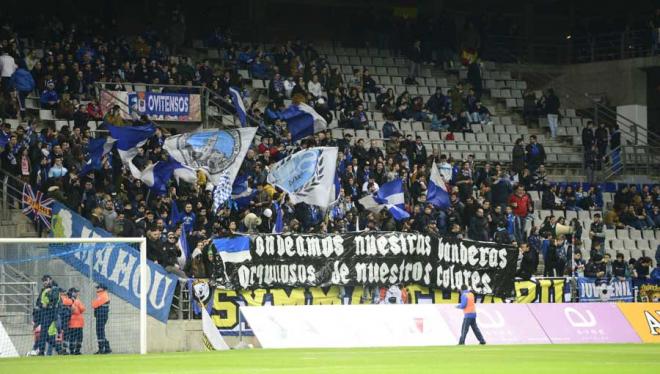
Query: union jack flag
{"points": [[36, 207]]}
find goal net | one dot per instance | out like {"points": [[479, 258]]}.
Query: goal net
{"points": [[74, 296]]}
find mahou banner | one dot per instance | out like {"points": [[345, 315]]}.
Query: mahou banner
{"points": [[370, 259]]}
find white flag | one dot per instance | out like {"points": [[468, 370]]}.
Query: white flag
{"points": [[216, 152], [212, 338], [307, 176]]}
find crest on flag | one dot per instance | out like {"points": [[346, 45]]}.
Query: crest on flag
{"points": [[307, 176], [214, 151], [35, 206]]}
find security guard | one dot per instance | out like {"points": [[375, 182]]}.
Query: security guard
{"points": [[101, 307], [469, 316], [74, 332], [45, 312]]}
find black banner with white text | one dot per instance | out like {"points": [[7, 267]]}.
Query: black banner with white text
{"points": [[373, 259]]}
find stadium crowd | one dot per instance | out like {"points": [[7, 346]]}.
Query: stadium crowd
{"points": [[489, 202]]}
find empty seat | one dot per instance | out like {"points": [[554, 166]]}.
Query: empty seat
{"points": [[635, 234], [648, 234], [622, 234], [629, 244], [643, 245], [609, 234]]}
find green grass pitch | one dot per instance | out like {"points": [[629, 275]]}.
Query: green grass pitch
{"points": [[528, 359]]}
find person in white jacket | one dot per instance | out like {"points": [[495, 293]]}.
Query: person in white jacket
{"points": [[314, 86], [7, 68]]}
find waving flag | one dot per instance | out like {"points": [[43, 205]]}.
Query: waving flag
{"points": [[307, 176], [390, 197], [175, 216], [303, 121], [36, 206], [128, 139], [157, 175], [183, 245], [216, 152], [237, 100], [241, 192], [233, 249], [96, 150], [221, 192], [279, 224], [436, 193]]}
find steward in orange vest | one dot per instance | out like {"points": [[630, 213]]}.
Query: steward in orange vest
{"points": [[101, 307], [469, 316]]}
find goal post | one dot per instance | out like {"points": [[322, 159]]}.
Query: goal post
{"points": [[79, 263]]}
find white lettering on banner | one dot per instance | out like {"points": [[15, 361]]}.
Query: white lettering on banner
{"points": [[101, 260], [577, 319], [123, 269], [161, 103], [654, 324], [155, 286], [410, 244], [286, 274]]}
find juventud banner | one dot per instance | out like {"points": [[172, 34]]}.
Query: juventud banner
{"points": [[370, 259]]}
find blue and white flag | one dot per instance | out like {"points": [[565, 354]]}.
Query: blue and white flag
{"points": [[221, 192], [213, 151], [156, 176], [234, 249], [237, 100], [279, 222], [303, 121], [436, 192], [96, 150], [130, 138], [183, 245], [241, 192], [307, 176], [390, 197]]}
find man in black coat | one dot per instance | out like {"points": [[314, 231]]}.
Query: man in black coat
{"points": [[526, 268], [478, 229], [535, 154], [602, 138], [588, 136]]}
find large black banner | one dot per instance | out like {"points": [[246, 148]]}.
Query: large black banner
{"points": [[374, 259]]}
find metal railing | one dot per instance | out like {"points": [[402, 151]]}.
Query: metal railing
{"points": [[570, 49]]}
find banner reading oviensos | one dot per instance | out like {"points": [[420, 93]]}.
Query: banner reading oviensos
{"points": [[368, 259], [113, 264], [590, 290], [168, 106]]}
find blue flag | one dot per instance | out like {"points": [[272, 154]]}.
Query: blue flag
{"points": [[96, 150], [175, 216], [129, 138], [436, 193], [237, 100], [390, 197], [279, 223], [185, 252], [234, 249], [157, 175], [303, 121], [241, 192]]}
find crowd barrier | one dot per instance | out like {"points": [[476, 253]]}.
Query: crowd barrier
{"points": [[333, 326]]}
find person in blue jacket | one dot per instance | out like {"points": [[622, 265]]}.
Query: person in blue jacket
{"points": [[469, 316], [49, 97], [23, 82]]}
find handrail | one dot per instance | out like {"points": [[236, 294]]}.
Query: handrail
{"points": [[571, 93]]}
